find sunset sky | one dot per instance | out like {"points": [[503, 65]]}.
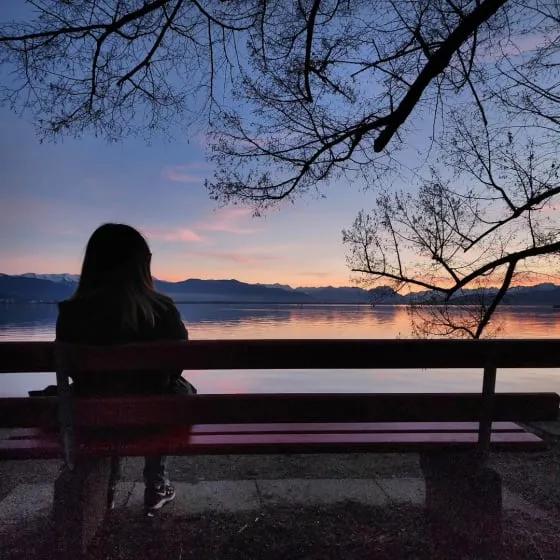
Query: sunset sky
{"points": [[53, 195]]}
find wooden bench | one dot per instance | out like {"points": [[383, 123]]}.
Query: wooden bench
{"points": [[452, 432]]}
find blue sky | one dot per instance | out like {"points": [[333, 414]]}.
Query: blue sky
{"points": [[53, 195]]}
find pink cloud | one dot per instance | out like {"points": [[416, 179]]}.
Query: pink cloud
{"points": [[177, 234], [190, 173], [518, 45], [227, 220], [551, 208]]}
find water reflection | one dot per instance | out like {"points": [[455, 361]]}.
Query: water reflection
{"points": [[530, 322], [294, 321], [345, 321], [27, 321], [37, 321], [234, 321]]}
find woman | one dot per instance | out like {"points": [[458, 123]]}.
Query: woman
{"points": [[116, 303]]}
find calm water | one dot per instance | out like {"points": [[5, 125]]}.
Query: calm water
{"points": [[37, 322]]}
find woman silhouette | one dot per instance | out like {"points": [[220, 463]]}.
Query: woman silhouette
{"points": [[116, 303]]}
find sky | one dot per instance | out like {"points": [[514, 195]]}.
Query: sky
{"points": [[53, 195]]}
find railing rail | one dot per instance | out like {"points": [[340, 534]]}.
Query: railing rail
{"points": [[18, 357]]}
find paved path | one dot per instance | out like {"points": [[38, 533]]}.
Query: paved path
{"points": [[27, 501]]}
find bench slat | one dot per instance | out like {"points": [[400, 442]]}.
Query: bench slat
{"points": [[179, 442], [316, 427], [255, 408], [258, 408], [356, 427], [186, 441]]}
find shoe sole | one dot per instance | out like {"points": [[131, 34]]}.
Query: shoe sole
{"points": [[151, 510]]}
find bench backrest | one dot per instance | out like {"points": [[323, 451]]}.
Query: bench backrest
{"points": [[281, 354]]}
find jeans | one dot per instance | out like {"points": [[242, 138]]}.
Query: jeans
{"points": [[155, 471]]}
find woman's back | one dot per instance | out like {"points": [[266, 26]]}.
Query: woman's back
{"points": [[97, 322], [116, 303]]}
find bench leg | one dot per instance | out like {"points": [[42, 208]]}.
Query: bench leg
{"points": [[463, 503], [80, 505]]}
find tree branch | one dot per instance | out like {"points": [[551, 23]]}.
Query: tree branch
{"points": [[436, 64], [155, 46], [308, 47]]}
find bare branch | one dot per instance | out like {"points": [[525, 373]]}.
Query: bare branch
{"points": [[436, 64]]}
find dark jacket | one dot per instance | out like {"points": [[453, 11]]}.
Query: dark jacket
{"points": [[97, 322]]}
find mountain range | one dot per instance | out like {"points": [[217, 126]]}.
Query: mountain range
{"points": [[43, 288]]}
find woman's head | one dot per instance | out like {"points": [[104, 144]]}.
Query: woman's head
{"points": [[117, 266], [117, 256]]}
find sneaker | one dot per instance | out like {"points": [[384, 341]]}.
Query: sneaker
{"points": [[155, 498]]}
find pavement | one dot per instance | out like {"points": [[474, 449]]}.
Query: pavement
{"points": [[27, 501], [266, 506]]}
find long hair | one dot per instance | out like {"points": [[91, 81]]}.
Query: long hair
{"points": [[116, 266]]}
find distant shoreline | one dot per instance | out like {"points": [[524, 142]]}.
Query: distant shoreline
{"points": [[49, 289], [304, 304], [234, 302]]}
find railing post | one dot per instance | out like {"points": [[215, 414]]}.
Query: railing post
{"points": [[65, 408], [487, 410]]}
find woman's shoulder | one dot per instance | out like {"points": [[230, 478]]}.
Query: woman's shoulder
{"points": [[163, 298], [168, 319], [166, 304]]}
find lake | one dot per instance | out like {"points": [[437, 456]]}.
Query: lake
{"points": [[236, 321]]}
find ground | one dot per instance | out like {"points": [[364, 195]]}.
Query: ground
{"points": [[286, 507]]}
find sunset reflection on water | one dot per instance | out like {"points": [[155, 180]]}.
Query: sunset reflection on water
{"points": [[346, 321], [235, 321]]}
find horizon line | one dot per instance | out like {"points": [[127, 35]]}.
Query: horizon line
{"points": [[277, 283]]}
